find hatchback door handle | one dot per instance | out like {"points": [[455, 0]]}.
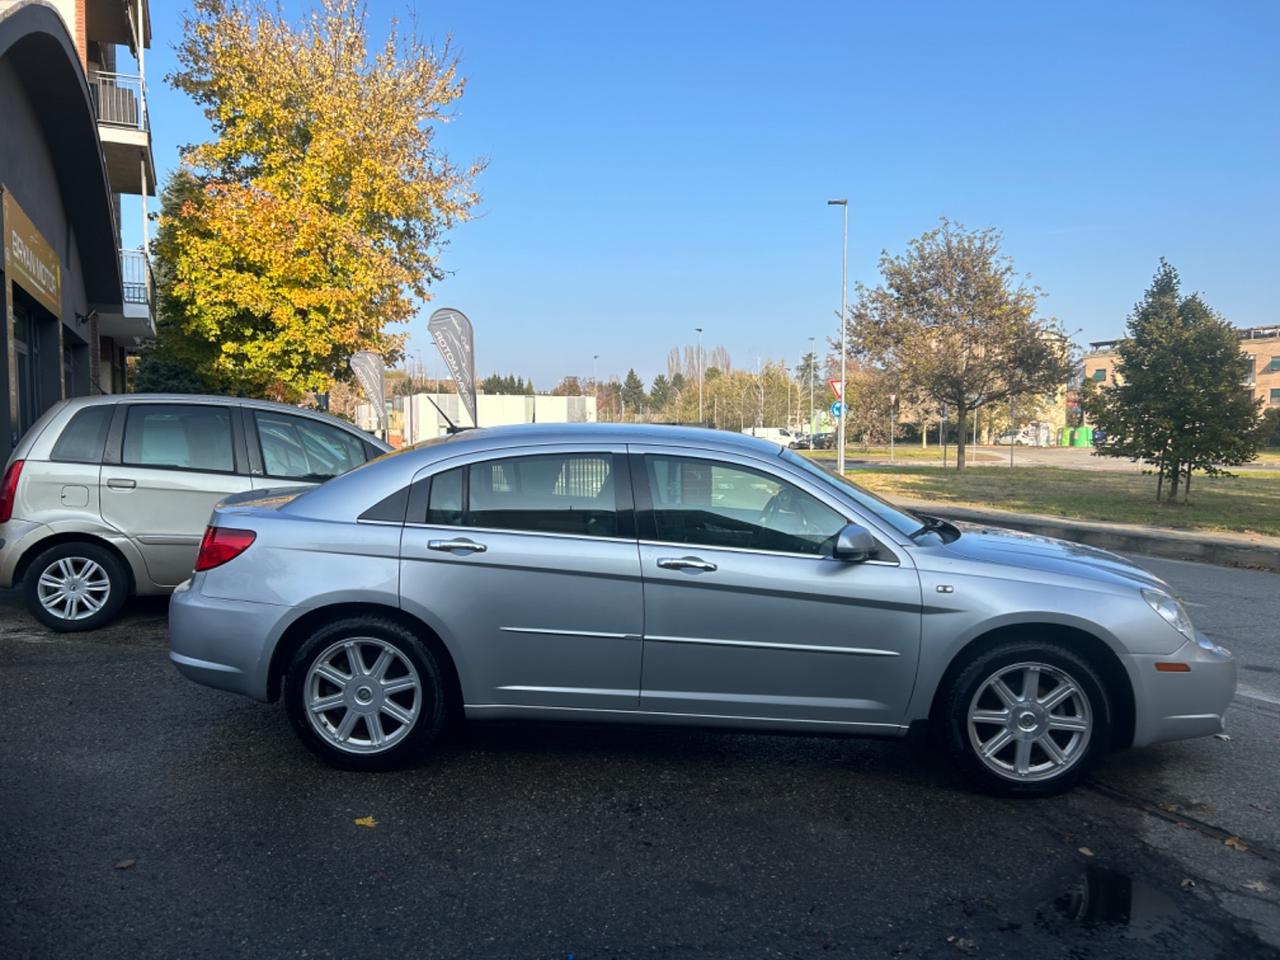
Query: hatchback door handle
{"points": [[685, 563], [449, 545], [121, 483]]}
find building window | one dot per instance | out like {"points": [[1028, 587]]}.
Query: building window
{"points": [[1100, 374], [1275, 395], [1274, 365]]}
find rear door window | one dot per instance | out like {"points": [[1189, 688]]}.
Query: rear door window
{"points": [[555, 493], [179, 437]]}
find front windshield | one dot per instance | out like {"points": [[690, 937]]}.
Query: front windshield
{"points": [[902, 522]]}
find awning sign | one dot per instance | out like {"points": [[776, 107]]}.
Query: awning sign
{"points": [[29, 261]]}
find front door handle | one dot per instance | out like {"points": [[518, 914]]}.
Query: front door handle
{"points": [[121, 483], [450, 545], [685, 563]]}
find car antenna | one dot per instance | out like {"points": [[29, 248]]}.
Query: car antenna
{"points": [[453, 427]]}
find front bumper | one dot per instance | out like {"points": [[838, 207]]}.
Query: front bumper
{"points": [[223, 643], [1175, 706]]}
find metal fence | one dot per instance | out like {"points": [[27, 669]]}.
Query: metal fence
{"points": [[118, 99], [135, 275]]}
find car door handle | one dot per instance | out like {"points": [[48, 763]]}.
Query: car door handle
{"points": [[449, 545], [685, 563], [120, 483]]}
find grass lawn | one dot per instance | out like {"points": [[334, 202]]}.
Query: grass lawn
{"points": [[1250, 503]]}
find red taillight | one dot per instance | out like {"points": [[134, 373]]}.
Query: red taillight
{"points": [[9, 490], [221, 544]]}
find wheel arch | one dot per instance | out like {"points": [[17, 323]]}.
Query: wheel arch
{"points": [[57, 539], [293, 637], [1094, 649]]}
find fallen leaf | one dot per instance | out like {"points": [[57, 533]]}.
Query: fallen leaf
{"points": [[124, 864], [1256, 885], [1187, 883], [1086, 851], [366, 822], [964, 944], [1235, 843], [1221, 736]]}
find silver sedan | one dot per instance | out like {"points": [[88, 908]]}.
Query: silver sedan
{"points": [[678, 576]]}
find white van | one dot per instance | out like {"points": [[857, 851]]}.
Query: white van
{"points": [[779, 435]]}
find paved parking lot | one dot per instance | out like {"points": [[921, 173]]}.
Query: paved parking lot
{"points": [[144, 816]]}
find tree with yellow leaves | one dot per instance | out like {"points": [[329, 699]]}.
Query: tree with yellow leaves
{"points": [[312, 221]]}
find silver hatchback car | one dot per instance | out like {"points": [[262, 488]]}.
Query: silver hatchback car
{"points": [[107, 496], [668, 575]]}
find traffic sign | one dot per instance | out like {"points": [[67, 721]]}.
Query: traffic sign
{"points": [[837, 387], [836, 409]]}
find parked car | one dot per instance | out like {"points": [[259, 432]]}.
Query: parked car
{"points": [[1017, 438], [108, 496], [669, 575]]}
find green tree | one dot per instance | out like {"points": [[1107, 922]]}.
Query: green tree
{"points": [[320, 202], [660, 393], [633, 394], [952, 323], [569, 387], [154, 374], [508, 384], [1178, 403]]}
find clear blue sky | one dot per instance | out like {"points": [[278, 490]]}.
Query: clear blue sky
{"points": [[660, 166]]}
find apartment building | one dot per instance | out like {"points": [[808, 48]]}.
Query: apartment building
{"points": [[1261, 345], [76, 170]]}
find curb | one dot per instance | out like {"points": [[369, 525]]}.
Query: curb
{"points": [[1241, 550]]}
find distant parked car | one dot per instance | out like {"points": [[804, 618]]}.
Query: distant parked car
{"points": [[779, 435], [666, 575], [1015, 438], [108, 496]]}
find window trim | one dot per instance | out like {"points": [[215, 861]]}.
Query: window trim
{"points": [[113, 454]]}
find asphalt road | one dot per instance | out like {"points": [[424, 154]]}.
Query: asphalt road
{"points": [[144, 816]]}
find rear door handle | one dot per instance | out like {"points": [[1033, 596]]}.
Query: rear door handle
{"points": [[685, 563], [121, 483], [450, 545]]}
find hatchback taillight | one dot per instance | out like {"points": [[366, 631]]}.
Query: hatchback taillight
{"points": [[9, 490], [221, 544]]}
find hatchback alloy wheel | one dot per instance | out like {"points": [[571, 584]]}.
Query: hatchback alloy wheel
{"points": [[73, 588]]}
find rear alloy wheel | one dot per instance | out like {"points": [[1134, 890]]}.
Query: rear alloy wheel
{"points": [[75, 586], [1027, 719], [365, 694]]}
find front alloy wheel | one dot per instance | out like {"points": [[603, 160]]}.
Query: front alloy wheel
{"points": [[1026, 718]]}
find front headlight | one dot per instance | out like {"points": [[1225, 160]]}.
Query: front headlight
{"points": [[1171, 611]]}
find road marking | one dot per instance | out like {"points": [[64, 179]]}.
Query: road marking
{"points": [[1253, 693]]}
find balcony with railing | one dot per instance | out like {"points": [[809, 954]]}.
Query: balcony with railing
{"points": [[120, 102], [136, 320]]}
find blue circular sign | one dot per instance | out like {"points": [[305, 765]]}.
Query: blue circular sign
{"points": [[836, 409]]}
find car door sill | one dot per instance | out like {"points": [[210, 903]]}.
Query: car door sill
{"points": [[511, 711]]}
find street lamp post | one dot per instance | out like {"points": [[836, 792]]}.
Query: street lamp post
{"points": [[813, 361], [844, 276], [700, 420]]}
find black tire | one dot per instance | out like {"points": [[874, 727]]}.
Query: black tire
{"points": [[404, 746], [76, 554], [1062, 662]]}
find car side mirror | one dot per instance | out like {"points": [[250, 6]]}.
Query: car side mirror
{"points": [[854, 543]]}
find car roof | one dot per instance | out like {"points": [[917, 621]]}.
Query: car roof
{"points": [[490, 437]]}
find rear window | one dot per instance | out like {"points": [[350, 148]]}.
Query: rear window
{"points": [[84, 437]]}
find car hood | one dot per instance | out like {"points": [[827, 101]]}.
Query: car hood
{"points": [[1014, 548]]}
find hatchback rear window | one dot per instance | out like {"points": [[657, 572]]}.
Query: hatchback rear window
{"points": [[84, 437], [182, 436]]}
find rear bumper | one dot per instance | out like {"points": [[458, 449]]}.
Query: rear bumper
{"points": [[1175, 706], [16, 538], [223, 643]]}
